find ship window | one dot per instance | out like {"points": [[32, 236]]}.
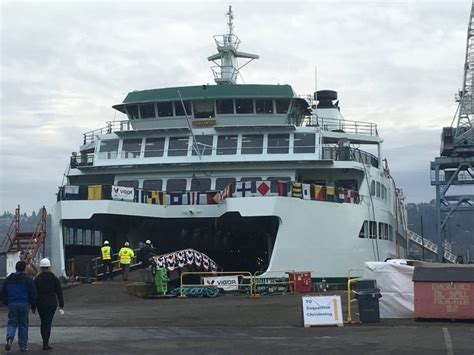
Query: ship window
{"points": [[132, 111], [88, 237], [204, 144], [385, 231], [165, 109], [225, 106], [244, 105], [282, 105], [304, 143], [178, 146], [381, 229], [221, 183], [390, 232], [372, 188], [278, 143], [378, 189], [131, 148], [364, 230], [97, 238], [349, 184], [147, 111], [176, 185], [373, 230], [108, 149], [178, 106], [227, 145], [128, 183], [153, 185], [201, 185], [252, 144], [274, 182], [154, 147], [264, 106], [203, 108]]}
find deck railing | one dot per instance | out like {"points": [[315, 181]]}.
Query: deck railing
{"points": [[349, 154], [345, 126]]}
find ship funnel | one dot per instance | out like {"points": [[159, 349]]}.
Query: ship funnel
{"points": [[325, 99]]}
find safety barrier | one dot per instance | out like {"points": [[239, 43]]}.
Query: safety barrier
{"points": [[212, 274], [349, 298], [289, 282], [97, 264]]}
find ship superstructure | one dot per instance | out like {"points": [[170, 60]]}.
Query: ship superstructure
{"points": [[254, 176]]}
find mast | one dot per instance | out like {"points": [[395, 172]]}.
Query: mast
{"points": [[227, 70]]}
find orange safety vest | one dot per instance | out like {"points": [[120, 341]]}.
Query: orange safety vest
{"points": [[106, 252], [125, 255]]}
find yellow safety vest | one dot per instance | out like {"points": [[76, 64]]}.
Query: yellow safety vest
{"points": [[126, 254], [106, 252]]}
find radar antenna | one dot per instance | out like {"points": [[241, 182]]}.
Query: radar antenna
{"points": [[227, 70]]}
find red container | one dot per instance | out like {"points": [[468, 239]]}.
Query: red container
{"points": [[446, 292], [301, 281]]}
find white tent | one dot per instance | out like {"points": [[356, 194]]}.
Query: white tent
{"points": [[394, 278]]}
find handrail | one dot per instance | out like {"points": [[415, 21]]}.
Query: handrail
{"points": [[215, 273], [349, 282], [115, 263], [346, 126], [14, 227]]}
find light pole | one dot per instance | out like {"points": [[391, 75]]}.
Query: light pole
{"points": [[422, 240]]}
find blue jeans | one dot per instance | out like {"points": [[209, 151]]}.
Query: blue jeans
{"points": [[18, 318]]}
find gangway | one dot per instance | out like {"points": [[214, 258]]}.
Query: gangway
{"points": [[428, 245]]}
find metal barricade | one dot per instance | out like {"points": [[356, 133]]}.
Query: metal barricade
{"points": [[289, 282], [215, 273], [349, 298]]}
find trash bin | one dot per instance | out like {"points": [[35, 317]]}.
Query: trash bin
{"points": [[367, 295]]}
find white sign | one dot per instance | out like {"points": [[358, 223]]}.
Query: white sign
{"points": [[322, 310], [227, 283], [122, 193]]}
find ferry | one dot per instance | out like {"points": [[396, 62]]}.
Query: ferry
{"points": [[255, 176]]}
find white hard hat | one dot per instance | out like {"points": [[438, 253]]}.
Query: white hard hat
{"points": [[45, 262], [126, 244], [106, 242], [148, 241]]}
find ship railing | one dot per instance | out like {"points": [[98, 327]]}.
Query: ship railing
{"points": [[81, 160], [98, 264], [344, 126], [350, 154], [111, 127]]}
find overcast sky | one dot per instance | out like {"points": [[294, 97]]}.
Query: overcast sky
{"points": [[64, 64]]}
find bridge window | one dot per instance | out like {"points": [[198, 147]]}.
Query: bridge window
{"points": [[227, 145], [178, 146], [178, 106], [252, 144], [131, 148], [278, 143], [201, 185], [176, 185], [304, 143], [153, 185], [390, 232], [221, 183], [204, 144], [128, 183], [372, 188], [373, 230], [147, 111], [244, 105], [203, 108], [364, 230], [165, 109], [264, 106], [154, 147], [132, 112], [109, 148], [225, 106], [282, 105], [378, 189]]}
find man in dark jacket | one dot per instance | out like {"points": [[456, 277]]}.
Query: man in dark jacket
{"points": [[19, 293], [145, 253]]}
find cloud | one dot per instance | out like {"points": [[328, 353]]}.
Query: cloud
{"points": [[64, 64]]}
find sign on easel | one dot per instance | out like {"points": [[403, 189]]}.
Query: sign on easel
{"points": [[322, 310]]}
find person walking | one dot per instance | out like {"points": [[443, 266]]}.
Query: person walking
{"points": [[50, 294], [19, 293], [145, 253], [125, 256], [106, 254]]}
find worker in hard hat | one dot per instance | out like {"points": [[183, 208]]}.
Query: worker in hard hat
{"points": [[125, 257], [145, 253], [50, 294], [106, 255]]}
